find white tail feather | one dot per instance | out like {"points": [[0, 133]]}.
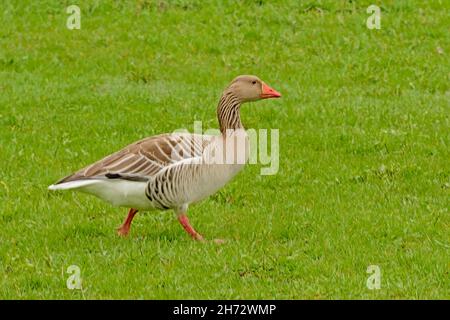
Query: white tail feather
{"points": [[115, 191], [72, 184]]}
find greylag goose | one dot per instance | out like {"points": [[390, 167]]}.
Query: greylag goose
{"points": [[171, 171]]}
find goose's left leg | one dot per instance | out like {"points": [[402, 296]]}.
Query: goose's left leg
{"points": [[183, 219], [124, 229], [189, 229]]}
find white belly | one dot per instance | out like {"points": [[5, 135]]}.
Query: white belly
{"points": [[122, 193]]}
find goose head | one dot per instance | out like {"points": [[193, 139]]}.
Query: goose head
{"points": [[251, 88]]}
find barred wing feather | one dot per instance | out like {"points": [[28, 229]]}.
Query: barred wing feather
{"points": [[145, 158]]}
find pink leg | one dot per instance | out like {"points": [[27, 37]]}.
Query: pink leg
{"points": [[189, 229], [124, 229]]}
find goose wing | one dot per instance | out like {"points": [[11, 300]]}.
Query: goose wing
{"points": [[145, 158]]}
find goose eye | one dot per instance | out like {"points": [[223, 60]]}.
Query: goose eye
{"points": [[253, 82]]}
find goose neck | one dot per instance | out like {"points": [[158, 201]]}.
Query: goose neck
{"points": [[228, 112]]}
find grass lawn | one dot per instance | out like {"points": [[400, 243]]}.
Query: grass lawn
{"points": [[364, 171]]}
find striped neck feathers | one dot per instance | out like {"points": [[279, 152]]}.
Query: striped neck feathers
{"points": [[228, 112]]}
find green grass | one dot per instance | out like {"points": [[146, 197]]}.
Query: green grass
{"points": [[364, 148]]}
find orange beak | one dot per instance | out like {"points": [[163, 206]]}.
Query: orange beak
{"points": [[268, 92]]}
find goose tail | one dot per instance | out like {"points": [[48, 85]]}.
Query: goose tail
{"points": [[71, 185]]}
